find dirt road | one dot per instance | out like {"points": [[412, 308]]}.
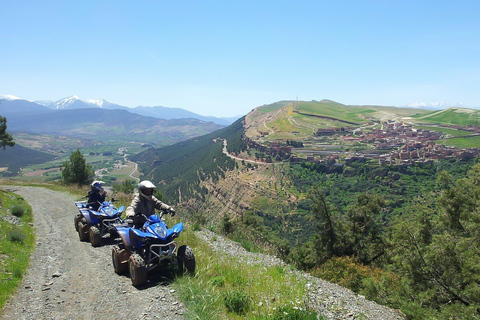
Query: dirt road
{"points": [[69, 279]]}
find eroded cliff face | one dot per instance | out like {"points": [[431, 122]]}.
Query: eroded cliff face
{"points": [[260, 188]]}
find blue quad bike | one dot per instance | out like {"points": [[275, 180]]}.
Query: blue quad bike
{"points": [[94, 225], [153, 245]]}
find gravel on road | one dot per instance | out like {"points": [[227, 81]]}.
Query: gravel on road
{"points": [[69, 279]]}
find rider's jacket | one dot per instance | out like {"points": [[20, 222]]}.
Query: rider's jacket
{"points": [[141, 205], [95, 198]]}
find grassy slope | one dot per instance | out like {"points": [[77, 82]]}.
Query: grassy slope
{"points": [[16, 244], [458, 116], [300, 119], [263, 289], [17, 157]]}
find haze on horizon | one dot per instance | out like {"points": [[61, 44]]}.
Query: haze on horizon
{"points": [[222, 59]]}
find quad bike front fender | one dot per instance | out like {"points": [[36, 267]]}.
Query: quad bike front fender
{"points": [[124, 233], [91, 218]]}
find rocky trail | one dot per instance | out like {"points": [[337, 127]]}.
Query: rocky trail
{"points": [[69, 279]]}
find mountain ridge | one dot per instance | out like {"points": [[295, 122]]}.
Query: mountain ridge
{"points": [[75, 102]]}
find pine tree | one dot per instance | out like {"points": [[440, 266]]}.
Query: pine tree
{"points": [[76, 170], [5, 138]]}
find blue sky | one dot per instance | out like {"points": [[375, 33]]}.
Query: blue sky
{"points": [[224, 58]]}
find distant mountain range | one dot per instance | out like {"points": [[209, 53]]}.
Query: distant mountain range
{"points": [[74, 102], [75, 119]]}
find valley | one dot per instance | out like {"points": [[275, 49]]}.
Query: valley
{"points": [[315, 183]]}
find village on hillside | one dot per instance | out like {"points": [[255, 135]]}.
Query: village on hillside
{"points": [[394, 143]]}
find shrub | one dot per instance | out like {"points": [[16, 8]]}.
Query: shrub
{"points": [[292, 313], [347, 272], [217, 281], [18, 211], [237, 302], [227, 225], [17, 273], [197, 226], [16, 235]]}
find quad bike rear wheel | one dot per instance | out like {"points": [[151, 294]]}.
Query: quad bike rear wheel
{"points": [[83, 227], [77, 218], [137, 269], [186, 259], [120, 263], [95, 238]]}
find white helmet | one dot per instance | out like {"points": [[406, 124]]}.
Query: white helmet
{"points": [[98, 185], [145, 184]]}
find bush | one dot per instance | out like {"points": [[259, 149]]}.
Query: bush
{"points": [[237, 302], [292, 313], [197, 226], [16, 235], [18, 211], [17, 273], [227, 225], [217, 281], [347, 272]]}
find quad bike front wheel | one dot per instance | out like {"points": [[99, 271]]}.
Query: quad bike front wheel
{"points": [[118, 256], [137, 269], [83, 227], [95, 238], [186, 259]]}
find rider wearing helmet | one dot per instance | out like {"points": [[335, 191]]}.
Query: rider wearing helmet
{"points": [[144, 204], [96, 195]]}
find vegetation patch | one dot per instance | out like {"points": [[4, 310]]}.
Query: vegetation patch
{"points": [[224, 288], [16, 243]]}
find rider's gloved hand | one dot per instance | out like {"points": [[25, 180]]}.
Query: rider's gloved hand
{"points": [[172, 211]]}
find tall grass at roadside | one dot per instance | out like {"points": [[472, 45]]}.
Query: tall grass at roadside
{"points": [[224, 287], [16, 242]]}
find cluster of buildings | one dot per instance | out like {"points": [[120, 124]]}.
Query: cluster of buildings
{"points": [[393, 143], [399, 143]]}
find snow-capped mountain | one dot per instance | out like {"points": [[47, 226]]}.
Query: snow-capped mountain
{"points": [[75, 102], [9, 97]]}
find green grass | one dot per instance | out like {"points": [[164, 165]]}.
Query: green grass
{"points": [[453, 132], [464, 142], [16, 243], [227, 288], [451, 116]]}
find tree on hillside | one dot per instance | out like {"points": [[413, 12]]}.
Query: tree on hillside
{"points": [[365, 239], [324, 220], [76, 170], [127, 186], [5, 138], [435, 248]]}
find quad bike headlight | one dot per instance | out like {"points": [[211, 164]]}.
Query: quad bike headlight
{"points": [[160, 231]]}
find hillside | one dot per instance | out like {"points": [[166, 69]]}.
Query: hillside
{"points": [[183, 166], [16, 157], [108, 124], [300, 119], [454, 116], [340, 210]]}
